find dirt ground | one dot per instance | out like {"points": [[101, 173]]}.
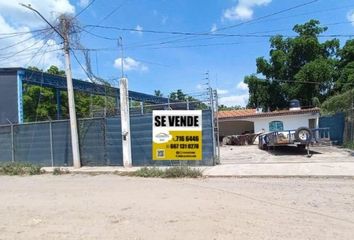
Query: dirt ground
{"points": [[251, 154], [113, 207]]}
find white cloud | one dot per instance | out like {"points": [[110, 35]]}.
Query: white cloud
{"points": [[21, 16], [242, 86], [243, 10], [138, 30], [234, 100], [222, 91], [83, 3], [200, 87], [350, 16], [213, 28], [130, 64], [30, 49]]}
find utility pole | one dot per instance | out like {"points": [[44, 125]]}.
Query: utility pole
{"points": [[120, 44], [72, 111], [124, 113]]}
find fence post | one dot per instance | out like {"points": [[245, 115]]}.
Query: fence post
{"points": [[142, 108], [12, 143], [51, 142], [212, 121], [187, 102], [217, 126]]}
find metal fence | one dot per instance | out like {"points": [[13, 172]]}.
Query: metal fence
{"points": [[349, 127], [336, 125], [49, 143]]}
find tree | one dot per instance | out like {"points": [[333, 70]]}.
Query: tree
{"points": [[338, 103], [55, 71], [222, 107], [178, 95], [293, 62], [158, 93], [40, 102], [346, 65]]}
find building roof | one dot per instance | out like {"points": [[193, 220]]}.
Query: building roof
{"points": [[252, 113]]}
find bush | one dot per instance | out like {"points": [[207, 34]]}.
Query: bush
{"points": [[349, 145], [172, 172], [20, 169], [182, 172]]}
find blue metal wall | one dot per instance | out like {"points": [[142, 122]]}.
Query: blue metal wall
{"points": [[100, 142], [336, 125]]}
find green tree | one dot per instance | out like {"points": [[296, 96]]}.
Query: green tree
{"points": [[222, 107], [158, 93], [178, 95], [346, 66], [40, 102], [299, 59]]}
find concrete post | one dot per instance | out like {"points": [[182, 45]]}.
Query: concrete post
{"points": [[125, 123], [142, 108]]}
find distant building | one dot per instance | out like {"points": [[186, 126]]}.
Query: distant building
{"points": [[237, 122]]}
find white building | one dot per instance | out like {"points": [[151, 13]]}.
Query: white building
{"points": [[237, 122]]}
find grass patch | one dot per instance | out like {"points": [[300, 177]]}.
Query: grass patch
{"points": [[20, 169], [349, 145], [171, 172], [59, 171]]}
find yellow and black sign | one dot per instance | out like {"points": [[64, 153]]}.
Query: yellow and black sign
{"points": [[177, 135]]}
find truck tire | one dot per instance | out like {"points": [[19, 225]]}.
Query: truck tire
{"points": [[303, 135]]}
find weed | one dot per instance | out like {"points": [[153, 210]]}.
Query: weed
{"points": [[20, 169], [182, 172], [172, 172], [60, 171], [349, 145]]}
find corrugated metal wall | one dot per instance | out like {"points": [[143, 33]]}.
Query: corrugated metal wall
{"points": [[335, 123], [48, 143]]}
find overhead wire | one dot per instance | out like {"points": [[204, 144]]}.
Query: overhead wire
{"points": [[252, 20], [84, 9], [22, 41]]}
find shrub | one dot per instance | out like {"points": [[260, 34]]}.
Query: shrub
{"points": [[349, 145], [182, 172], [172, 172], [20, 169]]}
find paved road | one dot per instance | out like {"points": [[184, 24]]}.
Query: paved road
{"points": [[113, 207]]}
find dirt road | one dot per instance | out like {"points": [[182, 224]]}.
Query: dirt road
{"points": [[251, 154], [112, 207]]}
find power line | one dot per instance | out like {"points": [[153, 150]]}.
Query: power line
{"points": [[14, 54], [20, 42], [267, 16], [112, 12], [203, 34], [252, 20], [291, 81], [304, 14], [84, 9]]}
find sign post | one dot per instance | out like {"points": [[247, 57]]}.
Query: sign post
{"points": [[177, 135]]}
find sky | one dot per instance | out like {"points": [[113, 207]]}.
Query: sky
{"points": [[161, 61]]}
